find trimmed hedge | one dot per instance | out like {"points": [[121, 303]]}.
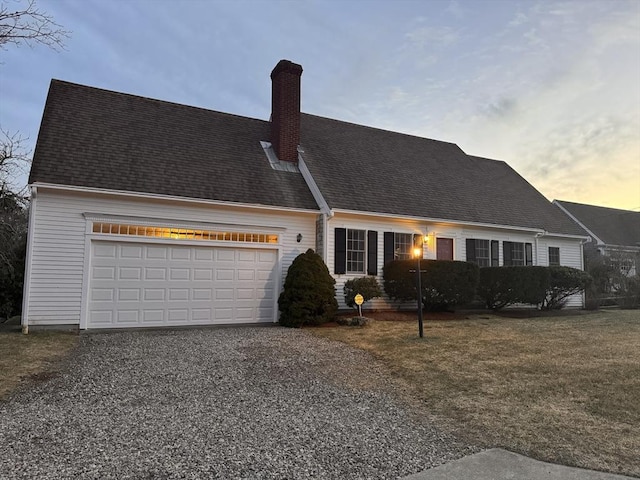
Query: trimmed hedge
{"points": [[445, 283], [368, 287], [502, 286], [563, 282], [309, 294]]}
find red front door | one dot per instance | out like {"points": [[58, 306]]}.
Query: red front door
{"points": [[444, 248]]}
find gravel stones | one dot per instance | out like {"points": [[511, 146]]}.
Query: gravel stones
{"points": [[238, 402]]}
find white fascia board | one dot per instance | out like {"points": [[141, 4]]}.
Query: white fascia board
{"points": [[582, 225], [313, 186], [155, 196], [566, 235], [441, 220]]}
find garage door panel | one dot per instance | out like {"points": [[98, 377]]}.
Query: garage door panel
{"points": [[139, 284], [179, 274], [131, 251], [128, 295], [203, 274], [102, 294], [204, 255], [106, 273], [127, 316], [156, 253], [129, 273], [153, 316], [178, 253], [151, 273], [154, 294]]}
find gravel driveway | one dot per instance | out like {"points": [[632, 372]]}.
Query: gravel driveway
{"points": [[245, 402]]}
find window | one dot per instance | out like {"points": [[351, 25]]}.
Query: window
{"points": [[517, 254], [182, 233], [402, 246], [554, 255], [484, 253], [355, 251], [399, 246], [478, 252]]}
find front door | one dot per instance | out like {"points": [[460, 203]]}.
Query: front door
{"points": [[444, 248]]}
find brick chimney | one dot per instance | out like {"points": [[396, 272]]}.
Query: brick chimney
{"points": [[285, 110]]}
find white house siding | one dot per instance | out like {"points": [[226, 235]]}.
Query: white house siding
{"points": [[570, 252], [60, 236]]}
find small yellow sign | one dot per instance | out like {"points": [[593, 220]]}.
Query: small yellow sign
{"points": [[359, 299]]}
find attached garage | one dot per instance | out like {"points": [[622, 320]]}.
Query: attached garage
{"points": [[139, 284]]}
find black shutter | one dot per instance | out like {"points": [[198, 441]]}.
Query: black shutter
{"points": [[417, 241], [495, 253], [506, 251], [340, 265], [388, 247], [372, 252], [471, 250], [528, 254]]}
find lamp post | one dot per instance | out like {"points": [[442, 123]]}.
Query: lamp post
{"points": [[417, 252]]}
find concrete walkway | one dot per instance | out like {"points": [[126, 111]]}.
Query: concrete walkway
{"points": [[498, 464]]}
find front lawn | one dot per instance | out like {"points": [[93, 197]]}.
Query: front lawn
{"points": [[564, 389], [31, 357]]}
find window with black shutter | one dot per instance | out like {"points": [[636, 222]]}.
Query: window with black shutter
{"points": [[372, 252], [340, 256]]}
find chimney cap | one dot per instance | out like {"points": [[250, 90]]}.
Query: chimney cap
{"points": [[286, 66]]}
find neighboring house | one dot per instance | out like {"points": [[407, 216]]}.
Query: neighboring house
{"points": [[612, 232], [149, 213]]}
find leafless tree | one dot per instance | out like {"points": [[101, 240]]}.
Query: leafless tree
{"points": [[14, 161], [28, 25]]}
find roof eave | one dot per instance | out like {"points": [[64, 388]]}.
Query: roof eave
{"points": [[155, 196]]}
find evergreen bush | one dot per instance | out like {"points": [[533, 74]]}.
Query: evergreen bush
{"points": [[308, 296], [502, 286], [445, 283], [563, 282], [368, 287]]}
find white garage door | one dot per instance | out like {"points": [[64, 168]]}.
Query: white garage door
{"points": [[137, 285]]}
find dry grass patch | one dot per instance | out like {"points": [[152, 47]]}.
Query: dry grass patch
{"points": [[562, 389], [32, 356]]}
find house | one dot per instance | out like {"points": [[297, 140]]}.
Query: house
{"points": [[612, 232], [148, 213]]}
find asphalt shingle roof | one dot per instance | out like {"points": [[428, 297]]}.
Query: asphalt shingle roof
{"points": [[98, 138], [368, 169], [611, 225]]}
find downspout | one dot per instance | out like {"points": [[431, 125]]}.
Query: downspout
{"points": [[28, 261], [535, 239]]}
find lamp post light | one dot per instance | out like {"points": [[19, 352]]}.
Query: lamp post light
{"points": [[417, 252]]}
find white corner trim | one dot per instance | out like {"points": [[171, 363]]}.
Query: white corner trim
{"points": [[313, 186], [29, 260], [172, 198], [582, 225]]}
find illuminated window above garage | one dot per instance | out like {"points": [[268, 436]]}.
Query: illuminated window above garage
{"points": [[182, 233]]}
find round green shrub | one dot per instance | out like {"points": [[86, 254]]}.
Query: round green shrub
{"points": [[309, 294], [368, 287]]}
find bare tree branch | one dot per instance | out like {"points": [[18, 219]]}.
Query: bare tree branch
{"points": [[14, 161], [30, 25]]}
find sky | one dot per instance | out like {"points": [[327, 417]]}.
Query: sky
{"points": [[550, 87]]}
